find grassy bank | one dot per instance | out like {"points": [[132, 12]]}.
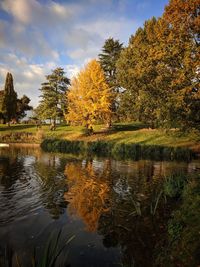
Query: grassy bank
{"points": [[128, 140], [118, 150]]}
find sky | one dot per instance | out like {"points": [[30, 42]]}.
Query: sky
{"points": [[37, 36]]}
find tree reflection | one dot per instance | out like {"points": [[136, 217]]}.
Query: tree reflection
{"points": [[120, 206], [87, 194]]}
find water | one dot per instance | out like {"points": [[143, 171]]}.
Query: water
{"points": [[113, 209]]}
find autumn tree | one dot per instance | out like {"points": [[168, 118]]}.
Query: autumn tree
{"points": [[53, 91], [89, 97], [9, 102], [182, 47], [160, 69], [108, 58]]}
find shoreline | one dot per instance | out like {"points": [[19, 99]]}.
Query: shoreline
{"points": [[109, 148], [131, 140], [121, 150]]}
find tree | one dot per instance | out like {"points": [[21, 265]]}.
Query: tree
{"points": [[183, 43], [184, 17], [2, 119], [9, 102], [41, 113], [53, 104], [108, 58], [22, 107], [137, 73], [89, 96], [160, 69]]}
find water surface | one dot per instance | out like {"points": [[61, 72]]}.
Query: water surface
{"points": [[112, 208]]}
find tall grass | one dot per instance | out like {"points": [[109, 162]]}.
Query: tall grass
{"points": [[49, 255], [118, 150]]}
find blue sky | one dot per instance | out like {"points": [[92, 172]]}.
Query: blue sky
{"points": [[38, 35]]}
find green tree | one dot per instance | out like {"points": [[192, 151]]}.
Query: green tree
{"points": [[53, 103], [137, 73], [41, 113], [110, 54], [9, 102], [22, 107]]}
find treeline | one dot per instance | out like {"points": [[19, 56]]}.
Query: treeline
{"points": [[160, 69], [155, 79], [12, 108]]}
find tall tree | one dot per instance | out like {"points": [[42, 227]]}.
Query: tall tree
{"points": [[183, 49], [110, 54], [160, 69], [137, 73], [9, 103], [2, 119], [89, 96], [53, 94]]}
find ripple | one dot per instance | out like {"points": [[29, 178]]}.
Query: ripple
{"points": [[24, 191]]}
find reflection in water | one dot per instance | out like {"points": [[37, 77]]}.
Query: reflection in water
{"points": [[30, 181], [87, 194], [126, 204], [114, 208]]}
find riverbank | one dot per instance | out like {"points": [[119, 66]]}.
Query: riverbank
{"points": [[128, 140]]}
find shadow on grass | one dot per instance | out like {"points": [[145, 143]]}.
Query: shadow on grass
{"points": [[128, 126], [16, 127]]}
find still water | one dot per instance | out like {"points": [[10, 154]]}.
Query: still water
{"points": [[112, 209]]}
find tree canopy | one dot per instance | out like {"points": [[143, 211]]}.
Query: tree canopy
{"points": [[159, 69], [108, 58], [89, 96], [53, 104]]}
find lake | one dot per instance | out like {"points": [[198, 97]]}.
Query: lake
{"points": [[113, 213]]}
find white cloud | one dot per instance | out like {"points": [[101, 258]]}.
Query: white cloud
{"points": [[31, 42], [72, 70], [117, 28], [92, 36], [36, 36], [28, 77], [33, 12], [20, 9]]}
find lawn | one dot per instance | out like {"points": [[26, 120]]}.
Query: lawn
{"points": [[120, 133]]}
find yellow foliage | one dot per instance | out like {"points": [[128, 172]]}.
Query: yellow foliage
{"points": [[87, 195], [89, 97]]}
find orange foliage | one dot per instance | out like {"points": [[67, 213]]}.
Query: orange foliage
{"points": [[89, 97], [87, 195]]}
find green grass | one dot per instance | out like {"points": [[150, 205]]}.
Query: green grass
{"points": [[126, 133], [182, 247]]}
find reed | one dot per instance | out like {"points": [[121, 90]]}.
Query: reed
{"points": [[49, 255]]}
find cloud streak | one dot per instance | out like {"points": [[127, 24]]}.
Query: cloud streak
{"points": [[36, 36]]}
